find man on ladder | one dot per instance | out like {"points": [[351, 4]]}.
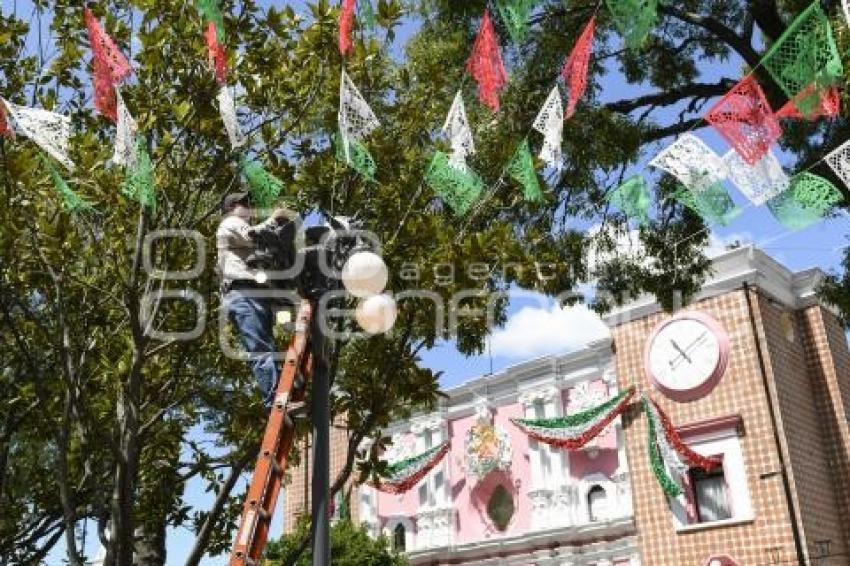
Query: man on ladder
{"points": [[243, 282], [245, 252]]}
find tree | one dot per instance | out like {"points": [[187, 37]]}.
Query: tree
{"points": [[99, 416], [350, 546]]}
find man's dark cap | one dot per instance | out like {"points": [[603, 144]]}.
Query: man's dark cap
{"points": [[231, 201]]}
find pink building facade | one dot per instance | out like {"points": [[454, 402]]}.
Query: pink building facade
{"points": [[537, 504]]}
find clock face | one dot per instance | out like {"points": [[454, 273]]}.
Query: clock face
{"points": [[686, 356]]}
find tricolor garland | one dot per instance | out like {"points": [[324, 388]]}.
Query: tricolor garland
{"points": [[574, 431], [403, 475], [669, 456]]}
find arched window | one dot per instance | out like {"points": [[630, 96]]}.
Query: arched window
{"points": [[596, 503], [399, 538], [501, 507]]}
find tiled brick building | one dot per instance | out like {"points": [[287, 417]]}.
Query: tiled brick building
{"points": [[776, 415], [296, 500], [782, 403]]}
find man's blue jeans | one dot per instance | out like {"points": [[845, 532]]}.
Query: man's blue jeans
{"points": [[252, 317]]}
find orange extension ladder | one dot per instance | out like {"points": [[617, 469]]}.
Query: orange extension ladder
{"points": [[272, 461]]}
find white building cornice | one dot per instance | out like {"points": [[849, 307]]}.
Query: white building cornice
{"points": [[729, 271]]}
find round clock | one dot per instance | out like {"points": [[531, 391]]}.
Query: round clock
{"points": [[686, 356]]}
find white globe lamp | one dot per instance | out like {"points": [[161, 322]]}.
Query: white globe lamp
{"points": [[376, 314], [365, 274]]}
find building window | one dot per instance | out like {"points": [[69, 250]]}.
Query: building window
{"points": [[428, 439], [399, 538], [710, 495], [596, 503], [721, 495], [541, 454], [501, 508]]}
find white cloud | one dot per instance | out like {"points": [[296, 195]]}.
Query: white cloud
{"points": [[536, 331]]}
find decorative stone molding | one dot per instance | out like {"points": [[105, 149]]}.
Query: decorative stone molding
{"points": [[566, 508], [610, 375], [544, 394], [432, 423], [402, 448], [435, 527], [410, 536]]}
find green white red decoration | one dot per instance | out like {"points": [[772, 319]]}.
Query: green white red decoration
{"points": [[576, 430], [358, 157], [49, 130], [743, 116], [70, 200], [346, 22], [692, 162], [485, 64], [459, 132], [227, 109], [683, 451], [550, 123], [459, 188], [125, 134], [265, 187], [109, 67], [760, 181], [808, 199], [139, 182], [514, 15], [521, 169], [656, 462], [634, 19], [403, 475], [670, 458], [712, 203], [575, 68], [805, 54], [633, 199], [356, 119], [813, 102]]}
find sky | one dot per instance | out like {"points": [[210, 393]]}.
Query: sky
{"points": [[536, 326]]}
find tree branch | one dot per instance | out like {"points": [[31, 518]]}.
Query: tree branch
{"points": [[672, 96], [655, 134], [729, 36], [766, 15], [202, 539]]}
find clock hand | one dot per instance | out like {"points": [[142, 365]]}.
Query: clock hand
{"points": [[700, 339], [682, 353]]}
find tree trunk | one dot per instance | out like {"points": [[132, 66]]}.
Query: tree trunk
{"points": [[203, 537], [150, 546], [129, 425]]}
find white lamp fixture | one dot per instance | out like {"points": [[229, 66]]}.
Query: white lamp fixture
{"points": [[376, 314], [365, 274]]}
